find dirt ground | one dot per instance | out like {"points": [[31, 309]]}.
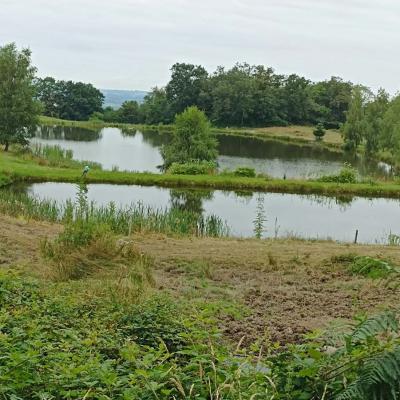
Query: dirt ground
{"points": [[289, 287], [285, 288]]}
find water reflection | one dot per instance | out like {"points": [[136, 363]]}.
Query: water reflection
{"points": [[249, 214], [133, 150], [68, 133], [189, 200]]}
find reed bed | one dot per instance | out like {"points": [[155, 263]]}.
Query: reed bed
{"points": [[134, 218]]}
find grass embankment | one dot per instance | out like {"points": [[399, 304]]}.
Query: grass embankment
{"points": [[150, 317], [17, 169], [296, 133]]}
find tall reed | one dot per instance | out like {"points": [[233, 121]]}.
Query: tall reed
{"points": [[134, 218]]}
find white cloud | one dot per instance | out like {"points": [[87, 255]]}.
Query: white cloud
{"points": [[132, 43]]}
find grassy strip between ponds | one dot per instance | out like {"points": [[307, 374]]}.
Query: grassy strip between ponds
{"points": [[16, 169]]}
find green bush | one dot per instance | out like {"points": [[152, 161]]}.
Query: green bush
{"points": [[245, 171], [371, 267], [319, 131], [193, 168], [346, 175]]}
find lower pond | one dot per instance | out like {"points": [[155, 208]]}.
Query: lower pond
{"points": [[270, 214], [140, 151]]}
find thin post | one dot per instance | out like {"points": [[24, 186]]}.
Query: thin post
{"points": [[356, 238]]}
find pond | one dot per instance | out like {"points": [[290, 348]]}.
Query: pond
{"points": [[140, 151], [277, 215]]}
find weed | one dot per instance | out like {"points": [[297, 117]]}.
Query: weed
{"points": [[371, 267], [346, 175], [272, 260], [193, 168], [245, 171]]}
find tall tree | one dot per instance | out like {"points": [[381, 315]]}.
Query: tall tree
{"points": [[156, 108], [374, 116], [192, 139], [69, 100], [354, 127], [129, 112], [232, 93], [185, 86], [390, 136], [332, 98], [18, 109]]}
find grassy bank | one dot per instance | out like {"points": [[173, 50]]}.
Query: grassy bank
{"points": [[16, 169]]}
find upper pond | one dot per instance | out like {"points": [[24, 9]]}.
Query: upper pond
{"points": [[284, 215], [140, 151]]}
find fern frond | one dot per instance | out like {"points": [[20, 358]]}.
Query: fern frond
{"points": [[379, 378], [374, 326]]}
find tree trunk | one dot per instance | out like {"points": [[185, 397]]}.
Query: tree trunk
{"points": [[6, 146]]}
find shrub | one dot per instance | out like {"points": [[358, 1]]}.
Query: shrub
{"points": [[346, 175], [319, 131], [245, 171], [192, 139], [371, 267], [193, 168]]}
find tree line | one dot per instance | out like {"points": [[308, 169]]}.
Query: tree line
{"points": [[241, 96], [244, 95], [372, 122]]}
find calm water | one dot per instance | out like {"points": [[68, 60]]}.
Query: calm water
{"points": [[140, 151], [285, 214]]}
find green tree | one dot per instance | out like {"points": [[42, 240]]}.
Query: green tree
{"points": [[18, 109], [319, 131], [374, 116], [185, 86], [192, 139], [332, 98], [298, 102], [390, 135], [129, 112], [156, 108], [232, 94], [69, 100], [354, 128]]}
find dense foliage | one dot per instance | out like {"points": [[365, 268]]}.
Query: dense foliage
{"points": [[67, 99], [244, 95], [373, 122], [18, 109], [192, 139], [82, 340]]}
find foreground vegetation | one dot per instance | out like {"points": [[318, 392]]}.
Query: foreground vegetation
{"points": [[94, 320]]}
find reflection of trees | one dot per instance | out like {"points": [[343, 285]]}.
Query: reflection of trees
{"points": [[156, 138], [151, 136], [267, 149], [343, 201], [189, 200], [68, 133]]}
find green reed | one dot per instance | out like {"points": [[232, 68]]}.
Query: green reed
{"points": [[56, 156], [134, 218]]}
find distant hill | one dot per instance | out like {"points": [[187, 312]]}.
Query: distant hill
{"points": [[115, 98]]}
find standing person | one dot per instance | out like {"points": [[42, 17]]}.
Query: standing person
{"points": [[85, 170]]}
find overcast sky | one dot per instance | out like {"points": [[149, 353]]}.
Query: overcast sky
{"points": [[131, 44]]}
